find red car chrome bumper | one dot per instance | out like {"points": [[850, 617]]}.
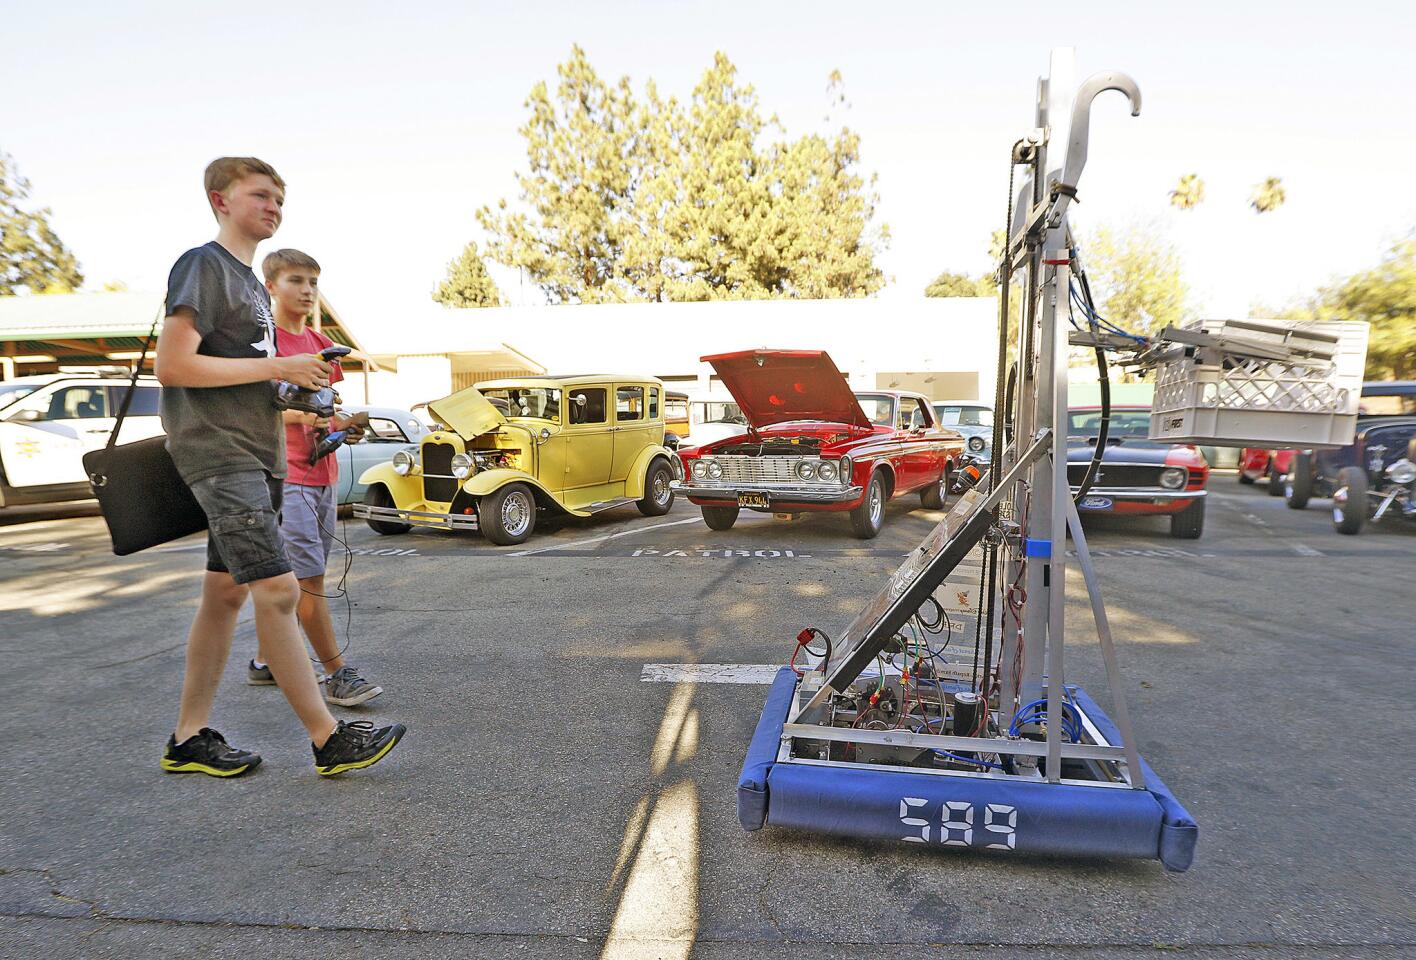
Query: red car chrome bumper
{"points": [[822, 497], [1133, 500]]}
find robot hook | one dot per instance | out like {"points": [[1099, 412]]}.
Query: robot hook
{"points": [[1094, 86]]}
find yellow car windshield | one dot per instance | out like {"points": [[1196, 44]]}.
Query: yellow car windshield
{"points": [[527, 403]]}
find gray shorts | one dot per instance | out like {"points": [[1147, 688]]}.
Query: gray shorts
{"points": [[244, 527], [307, 521]]}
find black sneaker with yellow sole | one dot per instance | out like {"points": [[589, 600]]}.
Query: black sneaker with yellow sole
{"points": [[355, 745], [209, 753]]}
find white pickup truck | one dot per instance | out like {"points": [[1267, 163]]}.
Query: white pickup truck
{"points": [[48, 423]]}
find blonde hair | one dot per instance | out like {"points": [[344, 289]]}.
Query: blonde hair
{"points": [[278, 261], [222, 172]]}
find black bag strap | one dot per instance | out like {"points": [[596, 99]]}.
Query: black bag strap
{"points": [[133, 382]]}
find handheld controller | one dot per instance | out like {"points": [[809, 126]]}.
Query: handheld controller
{"points": [[326, 442], [320, 402]]}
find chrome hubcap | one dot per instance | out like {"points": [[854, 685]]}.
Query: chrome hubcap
{"points": [[876, 500], [516, 513], [1339, 504], [661, 487]]}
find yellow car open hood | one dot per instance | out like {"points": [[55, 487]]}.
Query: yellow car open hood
{"points": [[467, 412]]}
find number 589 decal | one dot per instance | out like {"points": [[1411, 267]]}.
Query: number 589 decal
{"points": [[956, 823]]}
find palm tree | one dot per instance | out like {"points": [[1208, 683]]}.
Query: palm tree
{"points": [[1268, 195], [1188, 193]]}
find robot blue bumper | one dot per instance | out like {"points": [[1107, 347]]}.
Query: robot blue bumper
{"points": [[1022, 816]]}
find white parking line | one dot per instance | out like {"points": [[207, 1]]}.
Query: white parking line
{"points": [[763, 673], [608, 536], [1303, 550]]}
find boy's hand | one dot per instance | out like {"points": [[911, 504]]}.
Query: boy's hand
{"points": [[354, 423], [304, 370]]}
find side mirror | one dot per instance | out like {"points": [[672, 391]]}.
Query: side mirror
{"points": [[545, 434], [580, 400], [28, 416]]}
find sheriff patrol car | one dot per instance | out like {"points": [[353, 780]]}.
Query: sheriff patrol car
{"points": [[48, 423]]}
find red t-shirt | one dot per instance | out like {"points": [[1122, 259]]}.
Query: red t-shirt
{"points": [[300, 437]]}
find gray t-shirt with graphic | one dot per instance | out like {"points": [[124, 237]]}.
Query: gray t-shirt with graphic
{"points": [[216, 430]]}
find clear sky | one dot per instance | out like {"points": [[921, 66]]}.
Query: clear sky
{"points": [[393, 123]]}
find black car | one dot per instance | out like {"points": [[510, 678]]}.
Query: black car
{"points": [[1386, 419], [1380, 484]]}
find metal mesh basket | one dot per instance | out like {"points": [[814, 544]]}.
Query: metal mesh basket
{"points": [[1266, 383]]}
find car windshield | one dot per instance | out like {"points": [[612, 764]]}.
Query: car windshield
{"points": [[1124, 423], [526, 403], [953, 415], [10, 392], [878, 410], [713, 411], [1390, 405]]}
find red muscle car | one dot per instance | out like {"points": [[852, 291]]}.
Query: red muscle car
{"points": [[1137, 475], [812, 444], [1256, 463]]}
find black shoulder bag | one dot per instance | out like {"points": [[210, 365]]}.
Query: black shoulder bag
{"points": [[143, 498]]}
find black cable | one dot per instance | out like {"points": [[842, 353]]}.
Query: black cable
{"points": [[341, 588], [1004, 388], [1104, 380], [1005, 283], [939, 621], [978, 620], [1010, 401]]}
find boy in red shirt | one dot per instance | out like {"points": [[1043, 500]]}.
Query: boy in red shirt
{"points": [[307, 516]]}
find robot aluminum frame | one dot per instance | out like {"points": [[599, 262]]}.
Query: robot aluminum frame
{"points": [[922, 585]]}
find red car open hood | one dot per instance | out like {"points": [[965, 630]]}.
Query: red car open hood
{"points": [[774, 386]]}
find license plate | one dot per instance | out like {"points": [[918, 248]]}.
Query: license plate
{"points": [[1095, 503], [754, 500]]}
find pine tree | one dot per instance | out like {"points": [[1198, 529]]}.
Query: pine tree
{"points": [[630, 198], [31, 255], [467, 283]]}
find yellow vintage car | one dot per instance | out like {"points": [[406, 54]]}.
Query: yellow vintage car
{"points": [[506, 450]]}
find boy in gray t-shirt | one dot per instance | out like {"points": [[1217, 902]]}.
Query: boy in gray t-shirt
{"points": [[216, 360]]}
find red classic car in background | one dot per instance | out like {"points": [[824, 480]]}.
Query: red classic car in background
{"points": [[1255, 464], [812, 444]]}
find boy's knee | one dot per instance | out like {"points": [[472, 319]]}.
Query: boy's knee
{"points": [[280, 593], [220, 589]]}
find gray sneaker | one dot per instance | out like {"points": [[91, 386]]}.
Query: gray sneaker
{"points": [[346, 688], [259, 676]]}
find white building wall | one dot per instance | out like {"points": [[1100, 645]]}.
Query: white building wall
{"points": [[865, 337], [419, 379]]}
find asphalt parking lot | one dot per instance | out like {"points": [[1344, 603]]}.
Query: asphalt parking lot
{"points": [[549, 801]]}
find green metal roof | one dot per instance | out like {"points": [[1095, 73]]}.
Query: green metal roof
{"points": [[78, 316]]}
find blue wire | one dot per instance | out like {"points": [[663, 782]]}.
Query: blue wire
{"points": [[1037, 713], [1097, 319], [955, 756], [1071, 724], [981, 763]]}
